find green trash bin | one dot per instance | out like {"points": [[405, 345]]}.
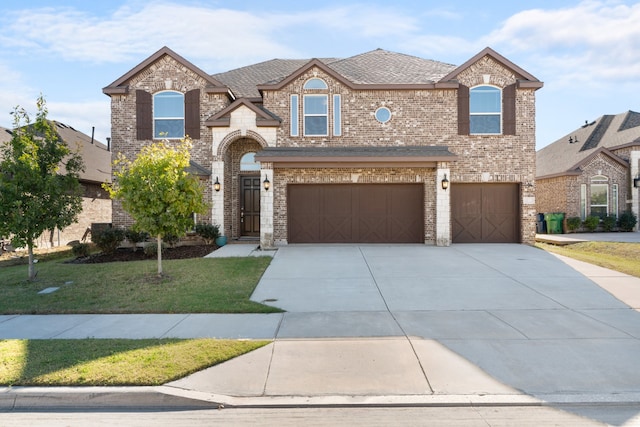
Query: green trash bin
{"points": [[554, 222]]}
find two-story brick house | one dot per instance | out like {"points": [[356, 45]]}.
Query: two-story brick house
{"points": [[378, 147]]}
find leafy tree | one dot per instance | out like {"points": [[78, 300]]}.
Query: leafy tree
{"points": [[36, 194], [157, 192]]}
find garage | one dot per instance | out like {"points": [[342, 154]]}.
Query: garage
{"points": [[355, 213], [485, 213]]}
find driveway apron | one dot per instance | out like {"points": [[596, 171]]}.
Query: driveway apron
{"points": [[522, 316]]}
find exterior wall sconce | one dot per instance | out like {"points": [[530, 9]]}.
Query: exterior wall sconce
{"points": [[266, 183], [216, 185], [445, 182]]}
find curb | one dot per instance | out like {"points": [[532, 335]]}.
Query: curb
{"points": [[25, 399]]}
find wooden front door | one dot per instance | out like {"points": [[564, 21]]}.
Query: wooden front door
{"points": [[250, 205]]}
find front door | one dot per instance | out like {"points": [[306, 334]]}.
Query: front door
{"points": [[250, 205]]}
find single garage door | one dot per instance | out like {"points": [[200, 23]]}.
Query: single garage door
{"points": [[485, 213], [355, 213]]}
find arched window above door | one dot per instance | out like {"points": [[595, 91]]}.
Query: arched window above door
{"points": [[248, 162]]}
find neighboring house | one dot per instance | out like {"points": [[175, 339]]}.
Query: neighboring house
{"points": [[591, 171], [379, 147], [96, 204]]}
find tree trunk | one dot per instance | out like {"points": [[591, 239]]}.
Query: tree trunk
{"points": [[32, 270], [159, 239]]}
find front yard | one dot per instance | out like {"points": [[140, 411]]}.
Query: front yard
{"points": [[197, 285]]}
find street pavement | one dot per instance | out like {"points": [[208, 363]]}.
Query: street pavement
{"points": [[394, 325]]}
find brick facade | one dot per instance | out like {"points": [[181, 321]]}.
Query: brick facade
{"points": [[421, 115]]}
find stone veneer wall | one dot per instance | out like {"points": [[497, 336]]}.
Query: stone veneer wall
{"points": [[165, 74]]}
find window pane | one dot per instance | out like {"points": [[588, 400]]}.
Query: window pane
{"points": [[599, 194], [294, 115], [600, 211], [169, 128], [315, 125], [168, 104], [315, 104], [315, 84], [485, 124], [485, 99], [248, 163], [337, 116]]}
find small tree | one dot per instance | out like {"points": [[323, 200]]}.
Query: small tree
{"points": [[36, 194], [157, 192]]}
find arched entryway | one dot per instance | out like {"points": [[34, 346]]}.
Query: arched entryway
{"points": [[242, 189]]}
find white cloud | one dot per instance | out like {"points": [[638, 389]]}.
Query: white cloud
{"points": [[593, 42]]}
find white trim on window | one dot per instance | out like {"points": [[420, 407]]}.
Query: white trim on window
{"points": [[337, 115], [316, 123], [171, 125], [293, 115], [487, 107], [583, 201]]}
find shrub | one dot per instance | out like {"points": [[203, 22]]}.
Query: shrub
{"points": [[627, 221], [208, 232], [135, 237], [171, 240], [81, 250], [151, 248], [591, 222], [609, 222], [573, 223], [108, 239]]}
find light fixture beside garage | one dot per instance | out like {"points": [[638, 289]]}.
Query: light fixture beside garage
{"points": [[216, 185], [445, 182], [266, 183]]}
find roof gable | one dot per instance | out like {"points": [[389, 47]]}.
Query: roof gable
{"points": [[223, 117], [525, 79], [121, 85]]}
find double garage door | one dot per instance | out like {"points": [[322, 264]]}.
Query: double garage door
{"points": [[355, 213], [394, 213], [485, 213]]}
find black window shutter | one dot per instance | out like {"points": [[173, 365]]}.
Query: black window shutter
{"points": [[192, 113], [463, 110], [509, 110], [144, 115]]}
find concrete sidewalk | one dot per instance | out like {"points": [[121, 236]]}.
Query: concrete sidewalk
{"points": [[400, 324]]}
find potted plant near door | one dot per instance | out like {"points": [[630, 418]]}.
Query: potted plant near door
{"points": [[221, 240]]}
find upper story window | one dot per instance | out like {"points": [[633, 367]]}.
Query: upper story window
{"points": [[315, 83], [485, 110], [316, 115], [248, 162], [168, 115], [383, 114]]}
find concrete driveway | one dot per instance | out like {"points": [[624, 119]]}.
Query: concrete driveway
{"points": [[531, 322]]}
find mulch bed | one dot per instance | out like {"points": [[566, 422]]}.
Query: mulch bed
{"points": [[126, 254]]}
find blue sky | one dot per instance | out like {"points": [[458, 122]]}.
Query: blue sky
{"points": [[586, 52]]}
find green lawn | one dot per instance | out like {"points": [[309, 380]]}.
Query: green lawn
{"points": [[198, 285], [112, 362], [622, 257]]}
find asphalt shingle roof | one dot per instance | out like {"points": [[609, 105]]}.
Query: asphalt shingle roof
{"points": [[561, 156], [376, 67]]}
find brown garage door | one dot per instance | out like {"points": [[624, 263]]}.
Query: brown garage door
{"points": [[485, 213], [356, 213]]}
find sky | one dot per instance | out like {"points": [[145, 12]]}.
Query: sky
{"points": [[587, 53]]}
